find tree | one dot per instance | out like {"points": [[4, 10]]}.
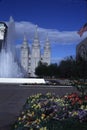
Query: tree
{"points": [[41, 70], [67, 67], [44, 70], [52, 70]]}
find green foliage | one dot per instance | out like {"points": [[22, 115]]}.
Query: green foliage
{"points": [[68, 68], [41, 70]]}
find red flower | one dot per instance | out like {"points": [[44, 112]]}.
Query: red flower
{"points": [[85, 97], [80, 101], [73, 95]]}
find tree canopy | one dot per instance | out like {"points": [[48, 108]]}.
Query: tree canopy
{"points": [[67, 68]]}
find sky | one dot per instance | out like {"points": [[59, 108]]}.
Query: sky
{"points": [[60, 19]]}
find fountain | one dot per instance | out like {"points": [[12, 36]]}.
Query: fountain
{"points": [[10, 70], [8, 65]]}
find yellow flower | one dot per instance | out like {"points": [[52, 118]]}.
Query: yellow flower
{"points": [[29, 114], [86, 107], [37, 121], [45, 128], [24, 117], [43, 116], [34, 105], [82, 107], [31, 128], [15, 126], [75, 113], [48, 94], [32, 113], [27, 124], [39, 106], [19, 118], [33, 99]]}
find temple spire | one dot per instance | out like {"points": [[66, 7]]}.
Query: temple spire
{"points": [[36, 38], [47, 40], [36, 33], [25, 39], [11, 19]]}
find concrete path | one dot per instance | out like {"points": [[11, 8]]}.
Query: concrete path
{"points": [[13, 97]]}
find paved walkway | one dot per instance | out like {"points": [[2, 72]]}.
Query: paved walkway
{"points": [[13, 97]]}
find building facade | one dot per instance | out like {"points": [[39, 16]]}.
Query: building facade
{"points": [[81, 50], [30, 57]]}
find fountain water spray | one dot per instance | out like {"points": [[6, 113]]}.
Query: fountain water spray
{"points": [[9, 67]]}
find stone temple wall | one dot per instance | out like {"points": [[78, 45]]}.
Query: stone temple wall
{"points": [[81, 50]]}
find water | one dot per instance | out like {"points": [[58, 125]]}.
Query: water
{"points": [[9, 67]]}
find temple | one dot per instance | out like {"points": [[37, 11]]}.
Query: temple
{"points": [[30, 57]]}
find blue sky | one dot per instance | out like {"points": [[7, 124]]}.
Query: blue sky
{"points": [[61, 19]]}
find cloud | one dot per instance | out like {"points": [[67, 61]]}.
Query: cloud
{"points": [[55, 36]]}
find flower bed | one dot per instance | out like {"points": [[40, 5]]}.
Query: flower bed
{"points": [[50, 112]]}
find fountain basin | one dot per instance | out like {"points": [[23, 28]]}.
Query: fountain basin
{"points": [[22, 80]]}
